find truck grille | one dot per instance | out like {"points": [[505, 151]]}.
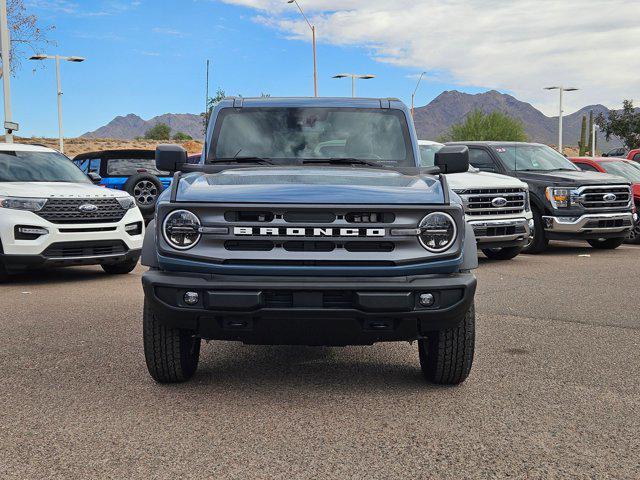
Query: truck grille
{"points": [[605, 198], [494, 201], [310, 236], [67, 210]]}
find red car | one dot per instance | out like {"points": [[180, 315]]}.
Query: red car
{"points": [[634, 155], [622, 168]]}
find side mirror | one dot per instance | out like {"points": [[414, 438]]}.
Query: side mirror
{"points": [[169, 158], [94, 177], [453, 159]]}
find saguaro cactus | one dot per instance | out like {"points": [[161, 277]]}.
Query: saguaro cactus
{"points": [[582, 144], [591, 148]]}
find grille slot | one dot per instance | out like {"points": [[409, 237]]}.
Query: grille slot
{"points": [[479, 202], [369, 246], [592, 198], [309, 246], [85, 249], [290, 299], [243, 216], [248, 245], [309, 217], [67, 210], [370, 217]]}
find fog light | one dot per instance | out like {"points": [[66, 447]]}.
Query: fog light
{"points": [[191, 298], [427, 299]]}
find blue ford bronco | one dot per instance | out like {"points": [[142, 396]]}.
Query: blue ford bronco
{"points": [[309, 222]]}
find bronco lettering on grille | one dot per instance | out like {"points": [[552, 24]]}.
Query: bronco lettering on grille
{"points": [[309, 232]]}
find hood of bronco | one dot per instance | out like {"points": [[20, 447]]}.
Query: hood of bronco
{"points": [[310, 185]]}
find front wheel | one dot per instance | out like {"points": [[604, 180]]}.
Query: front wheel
{"points": [[606, 243], [538, 242], [121, 268], [506, 253], [171, 354], [446, 356]]}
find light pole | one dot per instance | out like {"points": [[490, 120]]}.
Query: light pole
{"points": [[313, 36], [562, 90], [57, 58], [353, 77], [9, 126], [413, 95]]}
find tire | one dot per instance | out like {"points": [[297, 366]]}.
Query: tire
{"points": [[538, 242], [145, 189], [171, 354], [606, 244], [121, 268], [4, 276], [506, 253], [634, 238], [446, 356]]}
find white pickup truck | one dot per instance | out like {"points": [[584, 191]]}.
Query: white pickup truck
{"points": [[496, 206]]}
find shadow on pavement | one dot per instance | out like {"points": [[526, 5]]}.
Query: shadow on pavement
{"points": [[273, 368], [57, 276]]}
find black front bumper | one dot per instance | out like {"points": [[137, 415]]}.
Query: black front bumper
{"points": [[308, 311], [22, 263]]}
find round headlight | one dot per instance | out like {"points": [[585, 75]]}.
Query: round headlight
{"points": [[181, 229], [437, 232]]}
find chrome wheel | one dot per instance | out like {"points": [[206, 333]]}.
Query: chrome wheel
{"points": [[145, 192]]}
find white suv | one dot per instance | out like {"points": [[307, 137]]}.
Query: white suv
{"points": [[52, 215], [496, 206]]}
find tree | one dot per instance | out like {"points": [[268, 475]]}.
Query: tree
{"points": [[624, 125], [161, 131], [211, 103], [497, 126], [182, 137], [582, 143], [25, 31]]}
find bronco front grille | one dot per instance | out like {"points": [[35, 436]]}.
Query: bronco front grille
{"points": [[494, 201], [605, 198], [67, 210], [310, 236]]}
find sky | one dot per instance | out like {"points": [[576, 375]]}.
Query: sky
{"points": [[148, 56]]}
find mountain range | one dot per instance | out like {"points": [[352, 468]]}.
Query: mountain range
{"points": [[432, 120]]}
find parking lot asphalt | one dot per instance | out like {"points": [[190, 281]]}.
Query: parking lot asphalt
{"points": [[554, 392]]}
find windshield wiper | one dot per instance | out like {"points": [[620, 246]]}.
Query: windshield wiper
{"points": [[265, 161], [344, 161]]}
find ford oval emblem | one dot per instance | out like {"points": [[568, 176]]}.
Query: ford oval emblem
{"points": [[610, 197], [499, 202], [87, 208]]}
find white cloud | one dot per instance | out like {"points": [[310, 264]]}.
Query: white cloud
{"points": [[519, 46], [168, 31]]}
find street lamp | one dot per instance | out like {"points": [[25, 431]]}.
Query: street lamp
{"points": [[9, 125], [57, 58], [562, 90], [353, 78], [313, 36], [413, 96]]}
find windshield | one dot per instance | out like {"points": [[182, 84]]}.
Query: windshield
{"points": [[39, 167], [623, 169], [536, 158], [286, 134], [428, 154]]}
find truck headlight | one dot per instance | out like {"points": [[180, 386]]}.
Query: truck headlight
{"points": [[17, 203], [126, 203], [560, 197], [181, 229], [437, 232]]}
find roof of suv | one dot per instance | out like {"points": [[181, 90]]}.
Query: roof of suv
{"points": [[495, 143], [240, 102], [22, 147]]}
